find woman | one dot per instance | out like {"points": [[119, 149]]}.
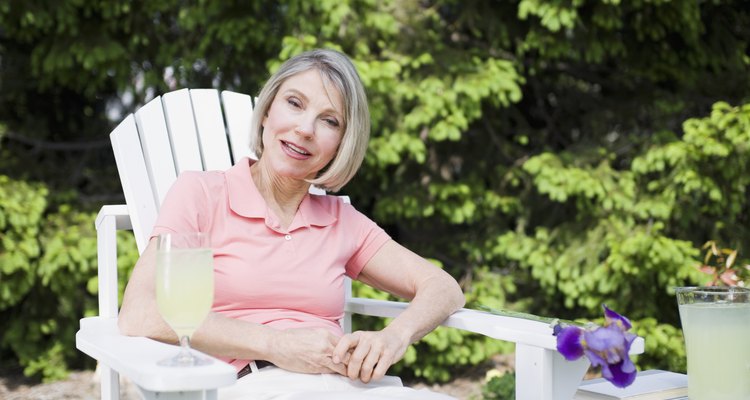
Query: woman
{"points": [[280, 254]]}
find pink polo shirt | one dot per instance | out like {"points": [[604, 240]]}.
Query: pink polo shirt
{"points": [[289, 278]]}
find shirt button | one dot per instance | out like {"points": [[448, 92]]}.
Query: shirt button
{"points": [[288, 237]]}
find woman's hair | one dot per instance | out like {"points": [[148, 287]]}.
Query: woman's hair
{"points": [[337, 70]]}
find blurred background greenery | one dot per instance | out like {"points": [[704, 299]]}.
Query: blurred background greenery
{"points": [[552, 155]]}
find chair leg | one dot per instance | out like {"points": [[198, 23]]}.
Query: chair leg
{"points": [[543, 374], [110, 383]]}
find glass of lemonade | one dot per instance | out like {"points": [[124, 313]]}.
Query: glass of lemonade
{"points": [[184, 288], [716, 326]]}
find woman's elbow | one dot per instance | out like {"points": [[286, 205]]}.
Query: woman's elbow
{"points": [[137, 324], [451, 291], [128, 325], [458, 296]]}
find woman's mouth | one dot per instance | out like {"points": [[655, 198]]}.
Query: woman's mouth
{"points": [[294, 150]]}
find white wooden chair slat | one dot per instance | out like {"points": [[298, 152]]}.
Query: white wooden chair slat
{"points": [[144, 157], [178, 111], [134, 178], [152, 129], [238, 111], [211, 130]]}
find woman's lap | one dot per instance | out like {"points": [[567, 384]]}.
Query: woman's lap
{"points": [[273, 383]]}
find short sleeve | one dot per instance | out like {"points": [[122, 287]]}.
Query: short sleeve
{"points": [[185, 206], [369, 239]]}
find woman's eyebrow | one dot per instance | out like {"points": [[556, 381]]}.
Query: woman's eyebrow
{"points": [[295, 92], [331, 108]]}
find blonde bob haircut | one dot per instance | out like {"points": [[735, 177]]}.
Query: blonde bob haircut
{"points": [[338, 72]]}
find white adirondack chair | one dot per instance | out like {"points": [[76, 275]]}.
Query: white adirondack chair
{"points": [[186, 130]]}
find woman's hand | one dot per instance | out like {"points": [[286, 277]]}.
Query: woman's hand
{"points": [[306, 350], [368, 355], [434, 296]]}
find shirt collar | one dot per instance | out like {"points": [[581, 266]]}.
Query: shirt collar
{"points": [[246, 200]]}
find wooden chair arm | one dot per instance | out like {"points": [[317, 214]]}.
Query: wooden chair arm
{"points": [[136, 358], [511, 329]]}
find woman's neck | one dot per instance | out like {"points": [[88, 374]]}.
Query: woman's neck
{"points": [[282, 195]]}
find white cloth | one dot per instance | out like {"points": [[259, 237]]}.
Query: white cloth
{"points": [[272, 383]]}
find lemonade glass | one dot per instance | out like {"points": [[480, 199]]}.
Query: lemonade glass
{"points": [[184, 288], [716, 326]]}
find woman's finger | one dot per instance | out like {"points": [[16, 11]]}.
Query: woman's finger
{"points": [[338, 368], [347, 342], [357, 358], [381, 368], [368, 364]]}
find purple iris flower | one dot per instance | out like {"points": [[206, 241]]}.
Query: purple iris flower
{"points": [[605, 346]]}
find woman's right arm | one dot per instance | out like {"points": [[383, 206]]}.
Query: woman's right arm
{"points": [[139, 315], [300, 350]]}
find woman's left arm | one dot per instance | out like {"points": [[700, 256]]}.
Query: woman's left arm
{"points": [[434, 295]]}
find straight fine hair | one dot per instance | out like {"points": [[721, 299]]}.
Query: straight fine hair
{"points": [[338, 71]]}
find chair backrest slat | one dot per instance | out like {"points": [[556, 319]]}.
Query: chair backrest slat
{"points": [[157, 150], [238, 111], [178, 111], [134, 178], [211, 130]]}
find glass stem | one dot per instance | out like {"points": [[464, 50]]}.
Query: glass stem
{"points": [[185, 355]]}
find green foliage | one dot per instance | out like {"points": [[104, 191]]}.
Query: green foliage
{"points": [[706, 172], [665, 346], [501, 387], [21, 208], [614, 248], [48, 281]]}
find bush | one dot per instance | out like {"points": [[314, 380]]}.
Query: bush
{"points": [[48, 270], [502, 387], [665, 346], [21, 208]]}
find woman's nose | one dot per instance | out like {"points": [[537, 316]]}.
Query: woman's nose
{"points": [[306, 127]]}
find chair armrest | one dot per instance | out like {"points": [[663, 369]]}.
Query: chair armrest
{"points": [[119, 212], [136, 358], [511, 329]]}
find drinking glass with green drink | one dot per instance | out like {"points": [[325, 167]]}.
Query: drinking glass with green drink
{"points": [[184, 288], [716, 326]]}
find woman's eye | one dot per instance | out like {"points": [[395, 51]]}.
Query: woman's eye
{"points": [[294, 102], [332, 122]]}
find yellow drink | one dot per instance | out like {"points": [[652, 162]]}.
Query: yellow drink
{"points": [[717, 338], [184, 287]]}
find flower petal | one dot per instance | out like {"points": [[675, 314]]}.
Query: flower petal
{"points": [[609, 342], [569, 342], [622, 374], [597, 361], [613, 317]]}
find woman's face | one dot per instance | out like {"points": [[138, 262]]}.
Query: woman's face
{"points": [[303, 127]]}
